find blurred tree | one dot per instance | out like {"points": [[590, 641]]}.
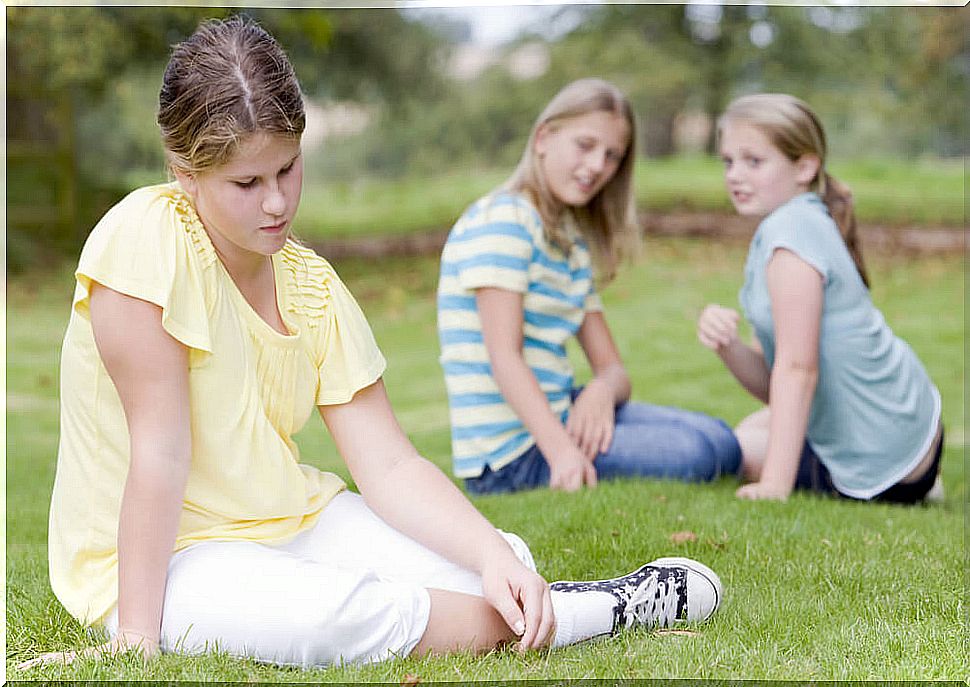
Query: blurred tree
{"points": [[866, 68], [372, 56], [872, 73], [57, 62], [71, 68], [353, 53], [647, 52], [923, 59], [82, 85], [665, 57]]}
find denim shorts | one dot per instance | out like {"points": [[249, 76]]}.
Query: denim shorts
{"points": [[814, 476]]}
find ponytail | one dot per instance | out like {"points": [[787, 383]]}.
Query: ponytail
{"points": [[838, 199]]}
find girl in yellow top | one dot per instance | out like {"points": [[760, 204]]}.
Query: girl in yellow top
{"points": [[201, 338]]}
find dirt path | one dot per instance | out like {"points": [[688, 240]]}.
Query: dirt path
{"points": [[878, 238], [906, 240]]}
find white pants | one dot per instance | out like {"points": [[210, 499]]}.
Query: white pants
{"points": [[351, 589]]}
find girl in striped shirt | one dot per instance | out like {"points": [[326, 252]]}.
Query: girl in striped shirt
{"points": [[517, 282]]}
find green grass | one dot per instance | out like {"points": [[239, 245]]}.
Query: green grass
{"points": [[816, 588], [887, 192]]}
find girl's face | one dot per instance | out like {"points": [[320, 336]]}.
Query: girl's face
{"points": [[247, 204], [759, 177], [580, 155]]}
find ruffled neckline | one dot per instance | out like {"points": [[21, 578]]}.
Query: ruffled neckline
{"points": [[199, 237], [191, 223], [303, 278]]}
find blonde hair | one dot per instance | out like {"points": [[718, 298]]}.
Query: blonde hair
{"points": [[228, 80], [608, 222], [795, 130]]}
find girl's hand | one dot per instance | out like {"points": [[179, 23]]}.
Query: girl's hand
{"points": [[570, 469], [522, 598], [592, 419], [760, 491], [124, 641], [717, 327]]}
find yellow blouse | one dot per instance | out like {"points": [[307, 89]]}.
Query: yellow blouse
{"points": [[251, 388]]}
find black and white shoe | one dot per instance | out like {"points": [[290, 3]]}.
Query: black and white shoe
{"points": [[663, 593]]}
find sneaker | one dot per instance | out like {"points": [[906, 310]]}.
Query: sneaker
{"points": [[662, 593]]}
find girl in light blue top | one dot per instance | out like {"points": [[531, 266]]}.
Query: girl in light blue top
{"points": [[850, 408]]}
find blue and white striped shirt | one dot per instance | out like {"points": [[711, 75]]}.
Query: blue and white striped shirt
{"points": [[499, 242]]}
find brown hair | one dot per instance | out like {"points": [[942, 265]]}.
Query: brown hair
{"points": [[793, 128], [228, 80], [608, 221]]}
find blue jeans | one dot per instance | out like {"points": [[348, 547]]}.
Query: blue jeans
{"points": [[648, 441]]}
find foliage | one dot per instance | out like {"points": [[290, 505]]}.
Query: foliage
{"points": [[480, 123], [886, 192], [104, 65], [356, 53], [816, 589], [908, 68], [663, 76], [887, 81]]}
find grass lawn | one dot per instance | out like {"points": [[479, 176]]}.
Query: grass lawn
{"points": [[816, 589], [887, 192]]}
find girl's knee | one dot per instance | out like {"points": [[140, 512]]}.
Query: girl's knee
{"points": [[713, 452], [752, 435], [283, 610], [520, 549], [755, 423], [727, 448], [383, 624], [698, 458]]}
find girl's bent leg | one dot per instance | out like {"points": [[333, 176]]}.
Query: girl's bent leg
{"points": [[260, 602], [462, 622], [349, 589], [752, 433], [349, 534], [669, 443]]}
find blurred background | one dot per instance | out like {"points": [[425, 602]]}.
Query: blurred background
{"points": [[423, 109]]}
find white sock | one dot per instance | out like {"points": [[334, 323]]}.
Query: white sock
{"points": [[581, 615]]}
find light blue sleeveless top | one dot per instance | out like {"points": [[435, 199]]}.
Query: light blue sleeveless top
{"points": [[875, 410]]}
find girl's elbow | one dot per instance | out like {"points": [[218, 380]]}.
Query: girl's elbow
{"points": [[378, 470], [507, 365], [505, 354], [798, 371]]}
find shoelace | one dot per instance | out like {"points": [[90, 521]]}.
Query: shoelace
{"points": [[652, 603]]}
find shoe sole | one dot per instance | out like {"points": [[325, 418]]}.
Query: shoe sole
{"points": [[701, 570]]}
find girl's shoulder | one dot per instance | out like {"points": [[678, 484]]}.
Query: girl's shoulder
{"points": [[310, 281], [167, 199], [507, 199], [805, 208], [151, 216], [803, 220], [804, 227], [152, 246], [152, 222], [504, 211], [305, 264]]}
